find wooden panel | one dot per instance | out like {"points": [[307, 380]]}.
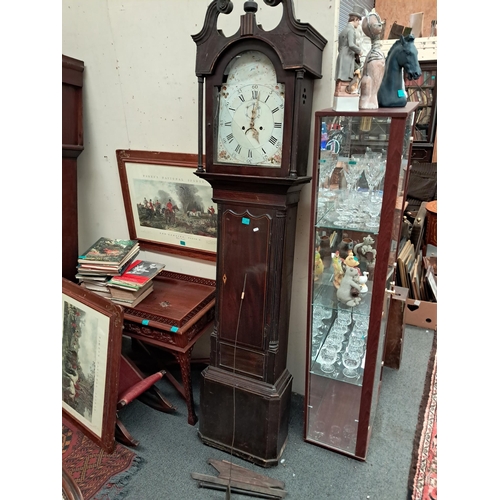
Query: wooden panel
{"points": [[400, 12], [69, 219], [395, 328], [246, 362], [71, 115], [72, 146], [244, 266], [72, 83]]}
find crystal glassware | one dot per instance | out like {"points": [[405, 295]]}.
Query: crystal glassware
{"points": [[344, 316], [339, 327], [320, 313], [334, 342], [356, 342], [374, 172], [373, 206], [351, 364], [335, 435], [355, 351], [327, 359]]}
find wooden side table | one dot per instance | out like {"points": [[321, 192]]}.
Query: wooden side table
{"points": [[173, 317]]}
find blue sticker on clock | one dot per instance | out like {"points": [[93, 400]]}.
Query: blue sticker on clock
{"points": [[174, 328], [145, 322], [183, 243], [245, 220], [401, 93]]}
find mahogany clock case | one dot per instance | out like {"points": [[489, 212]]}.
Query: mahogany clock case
{"points": [[245, 391]]}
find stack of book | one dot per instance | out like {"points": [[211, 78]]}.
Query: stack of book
{"points": [[105, 259], [135, 284]]}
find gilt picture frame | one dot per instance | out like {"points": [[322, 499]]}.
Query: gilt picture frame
{"points": [[169, 209], [91, 350]]}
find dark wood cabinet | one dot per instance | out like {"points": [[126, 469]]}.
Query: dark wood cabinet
{"points": [[72, 146], [424, 91]]}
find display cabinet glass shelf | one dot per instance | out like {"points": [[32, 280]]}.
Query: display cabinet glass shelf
{"points": [[361, 167], [424, 92]]}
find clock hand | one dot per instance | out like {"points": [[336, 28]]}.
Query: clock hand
{"points": [[255, 132]]}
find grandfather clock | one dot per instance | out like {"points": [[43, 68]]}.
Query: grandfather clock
{"points": [[258, 89]]}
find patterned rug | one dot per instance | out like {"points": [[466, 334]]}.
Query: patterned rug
{"points": [[99, 475], [422, 481]]}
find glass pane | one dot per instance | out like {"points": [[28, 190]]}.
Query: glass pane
{"points": [[352, 162], [400, 195]]}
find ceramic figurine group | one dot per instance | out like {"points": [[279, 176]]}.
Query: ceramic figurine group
{"points": [[379, 81], [352, 265]]}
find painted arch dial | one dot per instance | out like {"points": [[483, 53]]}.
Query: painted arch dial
{"points": [[251, 113]]}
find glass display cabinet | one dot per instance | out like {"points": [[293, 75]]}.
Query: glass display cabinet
{"points": [[361, 168]]}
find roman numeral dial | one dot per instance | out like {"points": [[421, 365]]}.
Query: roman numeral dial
{"points": [[250, 124]]}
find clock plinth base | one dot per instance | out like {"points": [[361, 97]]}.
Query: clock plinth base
{"points": [[260, 412]]}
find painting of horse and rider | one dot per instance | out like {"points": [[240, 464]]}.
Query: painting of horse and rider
{"points": [[176, 207], [168, 207]]}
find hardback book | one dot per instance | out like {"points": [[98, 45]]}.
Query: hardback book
{"points": [[104, 292], [137, 274], [95, 285], [105, 269], [133, 303], [131, 295], [113, 252]]}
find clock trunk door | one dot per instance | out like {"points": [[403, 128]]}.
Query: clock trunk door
{"points": [[244, 269]]}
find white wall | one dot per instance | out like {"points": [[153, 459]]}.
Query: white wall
{"points": [[140, 92]]}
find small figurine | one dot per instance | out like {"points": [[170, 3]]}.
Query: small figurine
{"points": [[345, 246], [349, 289], [350, 260], [349, 53], [318, 266], [338, 269], [403, 55], [365, 253], [353, 86], [362, 281], [325, 251], [374, 67]]}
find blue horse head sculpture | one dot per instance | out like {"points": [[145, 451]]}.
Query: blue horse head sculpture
{"points": [[402, 55]]}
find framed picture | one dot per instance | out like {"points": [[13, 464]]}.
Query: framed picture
{"points": [[91, 347], [169, 208]]}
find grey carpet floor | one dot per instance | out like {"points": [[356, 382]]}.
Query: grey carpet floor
{"points": [[171, 448]]}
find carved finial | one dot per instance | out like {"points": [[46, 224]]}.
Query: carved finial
{"points": [[250, 6], [225, 6]]}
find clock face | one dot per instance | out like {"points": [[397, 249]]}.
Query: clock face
{"points": [[251, 113]]}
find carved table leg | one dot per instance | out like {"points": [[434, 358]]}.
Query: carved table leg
{"points": [[184, 360]]}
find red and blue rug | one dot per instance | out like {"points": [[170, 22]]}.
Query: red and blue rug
{"points": [[422, 484], [99, 475]]}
